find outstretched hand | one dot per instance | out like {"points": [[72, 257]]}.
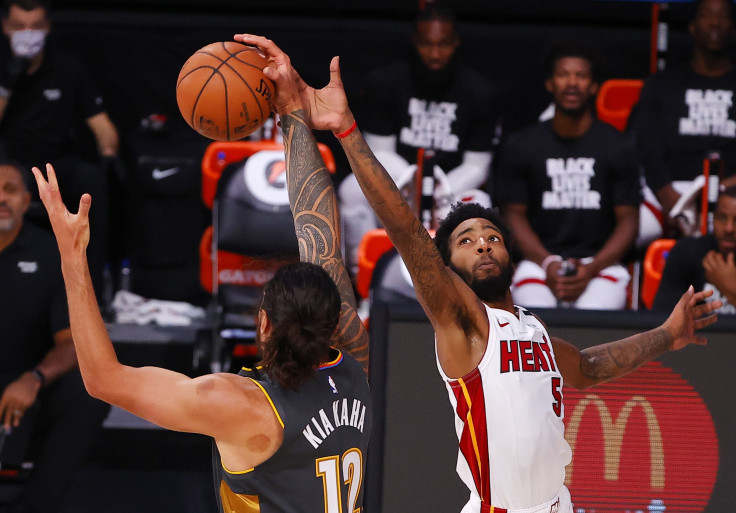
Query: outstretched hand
{"points": [[326, 108], [691, 314], [71, 230]]}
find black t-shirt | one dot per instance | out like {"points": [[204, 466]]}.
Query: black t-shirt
{"points": [[450, 117], [570, 186], [33, 303], [327, 424], [46, 109], [680, 116], [684, 267]]}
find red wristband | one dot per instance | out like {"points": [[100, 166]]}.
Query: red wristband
{"points": [[348, 131]]}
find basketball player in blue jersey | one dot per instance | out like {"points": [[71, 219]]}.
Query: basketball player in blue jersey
{"points": [[288, 437], [503, 371]]}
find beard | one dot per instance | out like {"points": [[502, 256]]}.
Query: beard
{"points": [[491, 289], [8, 225]]}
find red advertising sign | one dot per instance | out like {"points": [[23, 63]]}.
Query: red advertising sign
{"points": [[644, 443]]}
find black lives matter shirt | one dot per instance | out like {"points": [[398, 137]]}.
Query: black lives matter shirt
{"points": [[680, 116], [32, 299], [48, 108], [320, 465], [570, 186], [449, 117]]}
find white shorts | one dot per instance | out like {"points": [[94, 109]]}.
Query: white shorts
{"points": [[562, 503], [607, 291]]}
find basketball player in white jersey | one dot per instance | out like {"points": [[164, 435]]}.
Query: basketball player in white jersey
{"points": [[504, 372]]}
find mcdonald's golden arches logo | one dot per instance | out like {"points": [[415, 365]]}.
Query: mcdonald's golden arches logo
{"points": [[646, 439]]}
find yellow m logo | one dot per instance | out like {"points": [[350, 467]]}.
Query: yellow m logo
{"points": [[613, 435]]}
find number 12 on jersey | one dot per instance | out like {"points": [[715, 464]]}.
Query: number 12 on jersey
{"points": [[329, 469]]}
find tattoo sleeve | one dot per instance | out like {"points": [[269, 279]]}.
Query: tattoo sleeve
{"points": [[317, 223], [612, 360]]}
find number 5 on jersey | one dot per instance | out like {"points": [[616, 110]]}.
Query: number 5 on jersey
{"points": [[557, 396]]}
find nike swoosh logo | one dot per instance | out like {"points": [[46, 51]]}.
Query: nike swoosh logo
{"points": [[159, 174], [503, 324]]}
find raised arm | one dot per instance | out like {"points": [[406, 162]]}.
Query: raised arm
{"points": [[606, 362], [456, 313], [224, 406], [313, 200]]}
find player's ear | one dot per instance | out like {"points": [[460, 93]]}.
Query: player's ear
{"points": [[264, 323]]}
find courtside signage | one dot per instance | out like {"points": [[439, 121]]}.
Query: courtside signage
{"points": [[644, 443]]}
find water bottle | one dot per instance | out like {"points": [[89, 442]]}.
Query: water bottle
{"points": [[124, 283], [108, 291]]}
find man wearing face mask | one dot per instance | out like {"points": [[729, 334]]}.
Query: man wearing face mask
{"points": [[46, 95]]}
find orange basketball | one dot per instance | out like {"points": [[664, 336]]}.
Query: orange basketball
{"points": [[222, 92]]}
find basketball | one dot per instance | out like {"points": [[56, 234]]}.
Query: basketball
{"points": [[222, 91]]}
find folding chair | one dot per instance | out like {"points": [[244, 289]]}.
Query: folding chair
{"points": [[252, 235], [654, 261]]}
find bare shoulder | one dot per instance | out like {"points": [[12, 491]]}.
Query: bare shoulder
{"points": [[252, 430], [228, 386]]}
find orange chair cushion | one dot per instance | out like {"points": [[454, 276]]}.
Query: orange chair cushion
{"points": [[615, 100], [654, 261], [220, 154], [233, 268]]}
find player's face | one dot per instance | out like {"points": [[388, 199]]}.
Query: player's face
{"points": [[14, 199], [19, 19], [712, 27], [724, 224], [436, 42], [479, 256], [572, 85]]}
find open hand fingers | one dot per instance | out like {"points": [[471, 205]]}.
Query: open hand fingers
{"points": [[335, 78], [698, 297], [265, 45], [702, 322], [706, 308], [47, 187]]}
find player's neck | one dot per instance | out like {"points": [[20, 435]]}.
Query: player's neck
{"points": [[711, 65], [504, 303], [571, 126]]}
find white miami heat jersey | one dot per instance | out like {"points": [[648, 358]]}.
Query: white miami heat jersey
{"points": [[508, 417]]}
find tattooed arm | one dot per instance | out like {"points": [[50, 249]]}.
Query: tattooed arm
{"points": [[317, 222], [456, 313], [312, 195], [606, 362]]}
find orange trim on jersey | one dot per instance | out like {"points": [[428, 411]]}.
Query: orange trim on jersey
{"points": [[473, 443], [334, 362], [269, 400], [248, 369], [471, 427], [234, 472]]}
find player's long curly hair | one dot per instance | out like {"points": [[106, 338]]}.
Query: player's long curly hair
{"points": [[303, 305], [461, 212]]}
